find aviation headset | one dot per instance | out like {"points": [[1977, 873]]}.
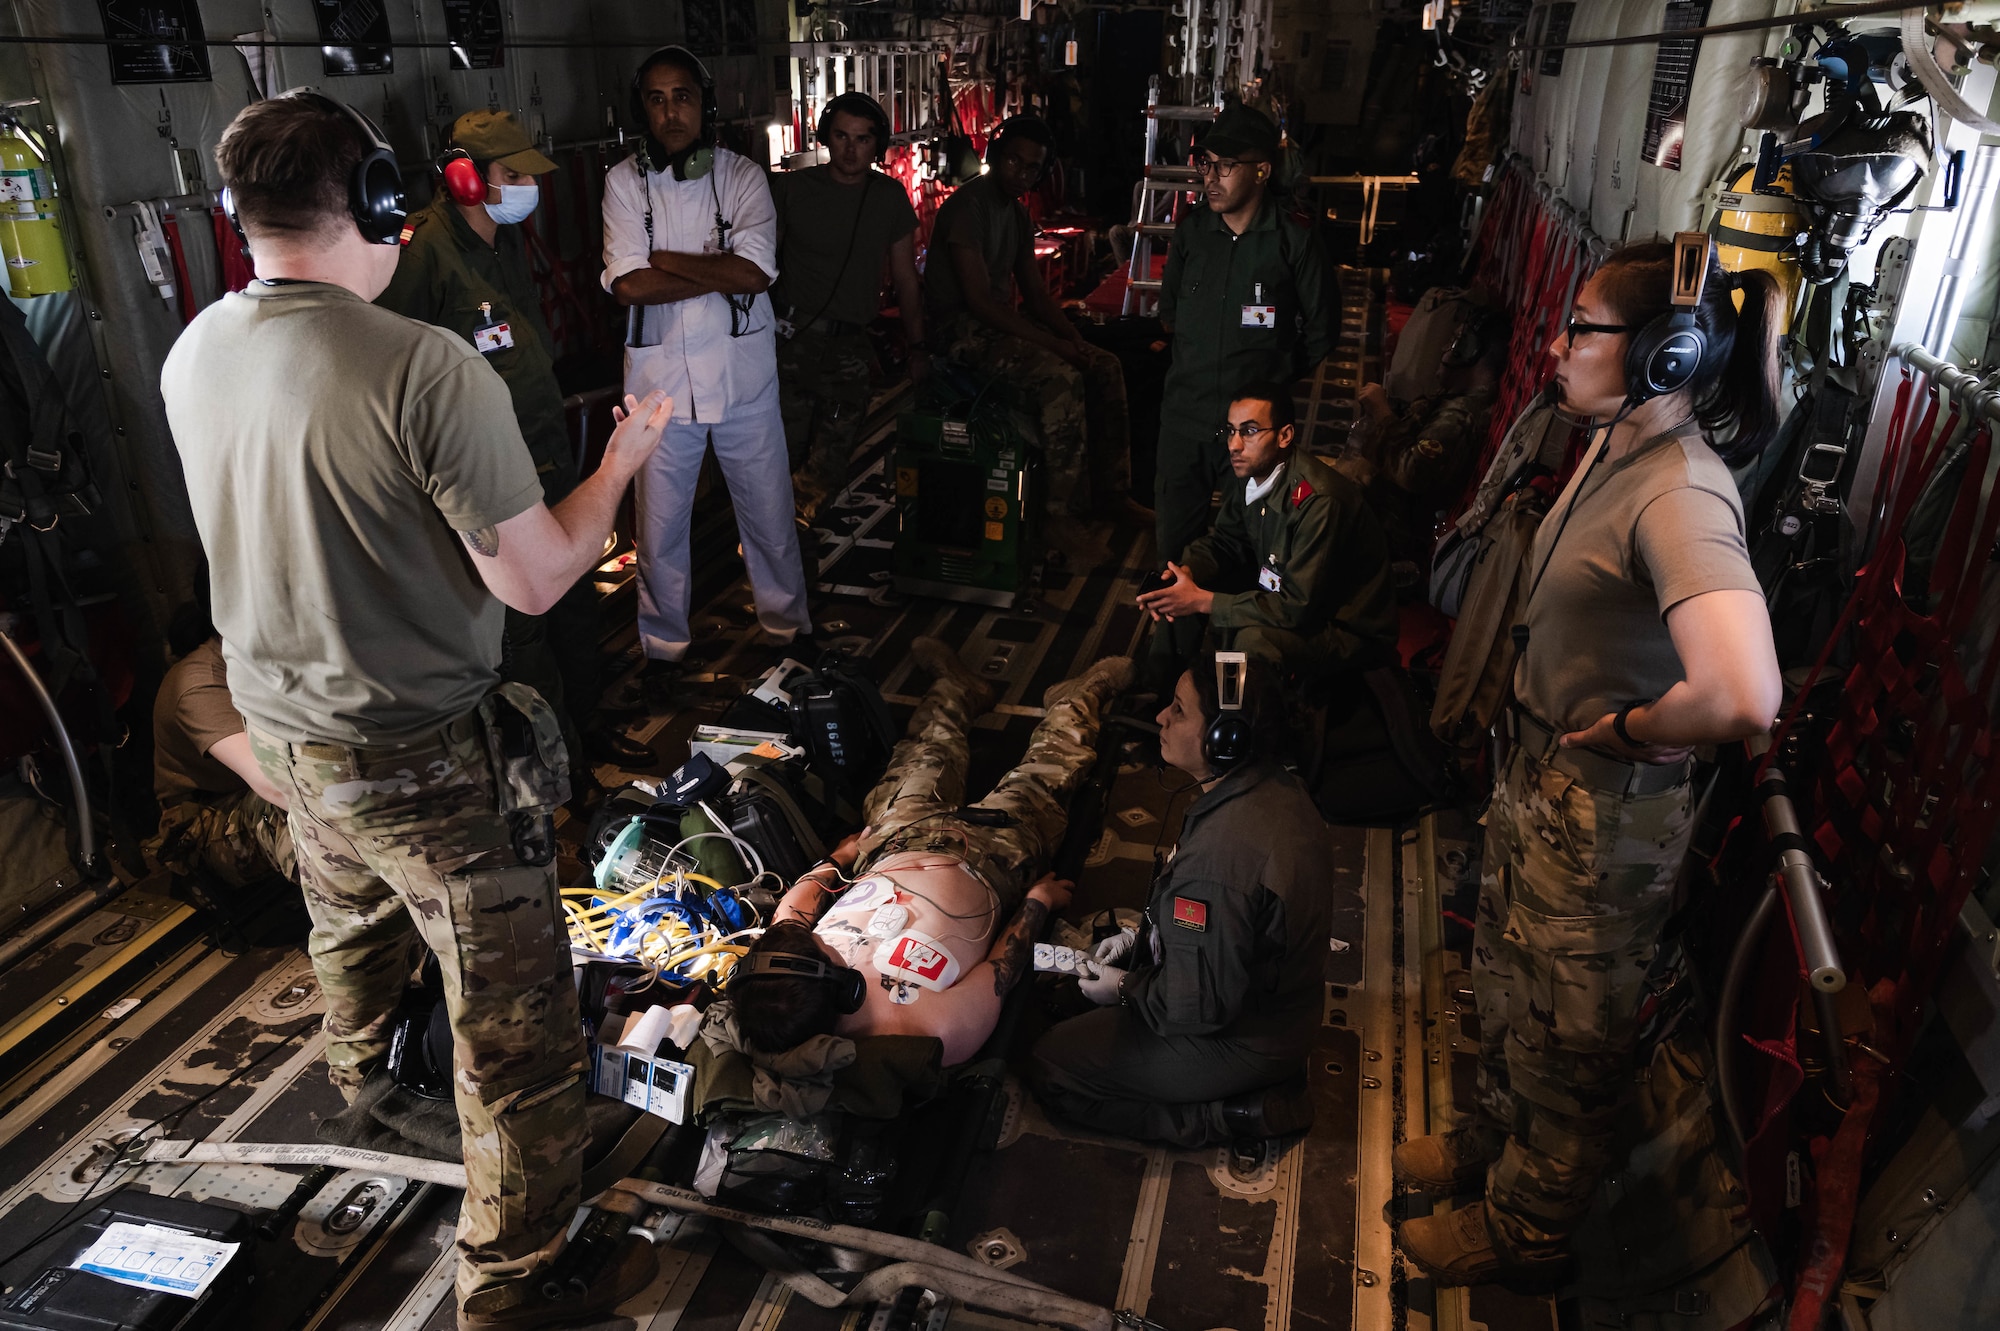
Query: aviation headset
{"points": [[696, 162], [1670, 349], [845, 985], [462, 180], [1024, 127], [374, 186], [856, 104], [1228, 740]]}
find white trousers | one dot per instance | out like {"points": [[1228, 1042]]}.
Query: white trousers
{"points": [[750, 448]]}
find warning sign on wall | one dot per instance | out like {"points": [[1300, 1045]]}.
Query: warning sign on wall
{"points": [[1673, 76]]}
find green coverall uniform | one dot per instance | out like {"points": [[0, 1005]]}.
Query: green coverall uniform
{"points": [[1226, 980], [1244, 309], [445, 275], [1300, 578]]}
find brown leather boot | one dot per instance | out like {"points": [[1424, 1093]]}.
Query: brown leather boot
{"points": [[520, 1304], [1448, 1163], [1458, 1249]]}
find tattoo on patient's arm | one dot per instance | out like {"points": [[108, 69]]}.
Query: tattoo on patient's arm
{"points": [[1013, 951], [485, 541]]}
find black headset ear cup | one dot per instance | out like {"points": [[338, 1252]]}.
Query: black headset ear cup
{"points": [[856, 104], [374, 187], [850, 990], [1226, 742], [1664, 356]]}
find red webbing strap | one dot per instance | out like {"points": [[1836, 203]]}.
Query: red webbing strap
{"points": [[1837, 1191], [237, 271], [183, 285]]}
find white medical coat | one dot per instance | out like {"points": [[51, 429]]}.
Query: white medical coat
{"points": [[687, 350]]}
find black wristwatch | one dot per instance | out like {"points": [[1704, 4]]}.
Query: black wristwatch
{"points": [[1618, 725]]}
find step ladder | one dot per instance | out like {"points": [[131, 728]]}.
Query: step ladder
{"points": [[1156, 201]]}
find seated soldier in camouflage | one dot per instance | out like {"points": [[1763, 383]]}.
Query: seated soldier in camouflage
{"points": [[936, 907], [1414, 461], [219, 814]]}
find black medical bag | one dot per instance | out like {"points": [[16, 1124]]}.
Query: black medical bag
{"points": [[839, 718], [55, 1297]]}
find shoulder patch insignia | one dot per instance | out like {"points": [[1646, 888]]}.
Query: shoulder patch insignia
{"points": [[1191, 914], [1301, 492], [409, 229]]}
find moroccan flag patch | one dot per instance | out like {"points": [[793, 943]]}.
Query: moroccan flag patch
{"points": [[1191, 914]]}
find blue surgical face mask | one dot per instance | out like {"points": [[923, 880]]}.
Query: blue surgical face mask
{"points": [[516, 202]]}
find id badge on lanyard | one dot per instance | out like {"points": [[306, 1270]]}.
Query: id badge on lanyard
{"points": [[1258, 314], [491, 334]]}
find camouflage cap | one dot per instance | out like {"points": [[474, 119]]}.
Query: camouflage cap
{"points": [[1239, 132], [495, 136]]}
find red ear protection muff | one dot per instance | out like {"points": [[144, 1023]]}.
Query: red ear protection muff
{"points": [[856, 104], [847, 987], [462, 180]]}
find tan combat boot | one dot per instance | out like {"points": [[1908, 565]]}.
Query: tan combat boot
{"points": [[1458, 1249], [1448, 1163], [942, 660], [520, 1305]]}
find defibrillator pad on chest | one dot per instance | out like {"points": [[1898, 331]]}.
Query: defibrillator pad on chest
{"points": [[919, 959]]}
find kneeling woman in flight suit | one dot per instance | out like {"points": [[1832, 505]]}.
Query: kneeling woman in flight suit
{"points": [[1208, 1012]]}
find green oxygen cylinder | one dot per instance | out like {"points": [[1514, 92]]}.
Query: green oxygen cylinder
{"points": [[31, 240]]}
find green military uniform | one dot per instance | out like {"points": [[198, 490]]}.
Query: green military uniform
{"points": [[1243, 309], [1300, 577], [913, 806], [450, 277], [1226, 980]]}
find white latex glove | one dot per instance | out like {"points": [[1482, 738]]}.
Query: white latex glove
{"points": [[1115, 948], [1102, 988]]}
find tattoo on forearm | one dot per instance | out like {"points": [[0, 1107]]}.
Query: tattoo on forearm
{"points": [[485, 541], [1013, 951]]}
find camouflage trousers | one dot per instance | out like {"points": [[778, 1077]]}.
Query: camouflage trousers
{"points": [[402, 844], [1575, 888], [236, 839], [1079, 415], [912, 806], [823, 395]]}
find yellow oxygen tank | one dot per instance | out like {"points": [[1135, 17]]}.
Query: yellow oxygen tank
{"points": [[31, 241]]}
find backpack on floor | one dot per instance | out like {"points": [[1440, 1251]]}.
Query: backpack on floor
{"points": [[1377, 759], [839, 718]]}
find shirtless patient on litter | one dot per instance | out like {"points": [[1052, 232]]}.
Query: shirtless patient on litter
{"points": [[923, 921]]}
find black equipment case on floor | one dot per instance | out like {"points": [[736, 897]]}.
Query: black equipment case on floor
{"points": [[50, 1296]]}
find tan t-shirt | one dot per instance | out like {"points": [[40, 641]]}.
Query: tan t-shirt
{"points": [[333, 450], [1644, 534], [192, 714]]}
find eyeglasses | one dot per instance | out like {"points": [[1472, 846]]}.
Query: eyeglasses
{"points": [[1204, 164], [1249, 431], [1578, 326]]}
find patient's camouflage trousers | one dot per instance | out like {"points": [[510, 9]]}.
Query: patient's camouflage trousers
{"points": [[238, 839], [912, 806], [1575, 889], [407, 843], [1079, 414], [823, 394]]}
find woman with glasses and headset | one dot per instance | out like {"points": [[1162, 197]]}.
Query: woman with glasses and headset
{"points": [[1645, 635]]}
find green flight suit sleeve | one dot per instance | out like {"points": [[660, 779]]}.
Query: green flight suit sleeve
{"points": [[1299, 603], [1203, 978], [417, 289], [1317, 316], [1170, 277], [1224, 546]]}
